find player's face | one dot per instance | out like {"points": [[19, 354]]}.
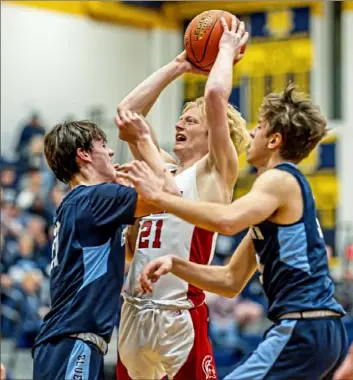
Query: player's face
{"points": [[101, 156], [191, 134], [258, 152]]}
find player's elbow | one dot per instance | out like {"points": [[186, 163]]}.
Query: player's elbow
{"points": [[216, 93], [233, 287], [226, 226], [231, 293]]}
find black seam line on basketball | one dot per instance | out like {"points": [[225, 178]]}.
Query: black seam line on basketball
{"points": [[190, 44], [209, 36]]}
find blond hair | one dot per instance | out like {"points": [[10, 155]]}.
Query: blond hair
{"points": [[236, 124]]}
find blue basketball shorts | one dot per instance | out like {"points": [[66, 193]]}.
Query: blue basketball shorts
{"points": [[296, 349], [67, 359]]}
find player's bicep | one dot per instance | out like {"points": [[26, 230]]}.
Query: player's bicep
{"points": [[264, 199], [222, 150]]}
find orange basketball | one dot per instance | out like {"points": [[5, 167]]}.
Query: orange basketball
{"points": [[202, 36]]}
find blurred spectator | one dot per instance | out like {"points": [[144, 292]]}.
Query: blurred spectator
{"points": [[56, 195], [31, 189], [37, 228], [33, 195], [36, 161], [9, 181], [30, 130], [25, 261], [12, 221], [25, 299], [225, 245]]}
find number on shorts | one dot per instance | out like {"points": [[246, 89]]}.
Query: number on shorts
{"points": [[145, 233], [55, 247]]}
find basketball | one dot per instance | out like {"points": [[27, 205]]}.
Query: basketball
{"points": [[202, 36]]}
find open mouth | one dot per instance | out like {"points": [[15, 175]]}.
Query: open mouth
{"points": [[179, 137]]}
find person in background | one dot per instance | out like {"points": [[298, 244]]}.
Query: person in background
{"points": [[31, 129]]}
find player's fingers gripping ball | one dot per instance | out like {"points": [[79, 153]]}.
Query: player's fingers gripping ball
{"points": [[202, 37]]}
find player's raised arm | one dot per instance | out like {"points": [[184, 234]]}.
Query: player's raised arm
{"points": [[134, 129], [123, 117], [268, 193], [142, 98], [226, 280], [218, 89]]}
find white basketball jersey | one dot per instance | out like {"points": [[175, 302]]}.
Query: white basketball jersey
{"points": [[163, 234]]}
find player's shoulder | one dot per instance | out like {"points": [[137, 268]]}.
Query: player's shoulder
{"points": [[84, 192], [75, 194], [108, 186], [275, 180], [110, 190]]}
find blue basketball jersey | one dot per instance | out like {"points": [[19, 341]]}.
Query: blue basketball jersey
{"points": [[292, 259], [87, 270]]}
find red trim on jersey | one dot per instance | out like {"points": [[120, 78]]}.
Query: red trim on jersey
{"points": [[200, 253]]}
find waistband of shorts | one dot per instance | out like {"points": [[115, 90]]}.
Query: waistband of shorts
{"points": [[158, 304], [310, 314], [98, 341]]}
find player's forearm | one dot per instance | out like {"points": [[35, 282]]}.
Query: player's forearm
{"points": [[210, 278], [221, 75], [210, 216], [143, 97], [151, 155], [135, 151]]}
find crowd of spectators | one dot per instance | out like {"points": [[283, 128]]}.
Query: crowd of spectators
{"points": [[29, 195]]}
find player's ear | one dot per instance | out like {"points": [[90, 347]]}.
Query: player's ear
{"points": [[275, 141], [83, 155]]}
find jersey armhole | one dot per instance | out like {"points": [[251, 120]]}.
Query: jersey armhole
{"points": [[302, 190]]}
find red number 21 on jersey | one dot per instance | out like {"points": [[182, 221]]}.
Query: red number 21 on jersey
{"points": [[144, 241]]}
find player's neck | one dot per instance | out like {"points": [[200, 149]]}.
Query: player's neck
{"points": [[83, 180], [276, 160], [184, 164], [187, 159]]}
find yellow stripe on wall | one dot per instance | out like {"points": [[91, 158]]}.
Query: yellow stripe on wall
{"points": [[347, 6], [169, 17], [71, 7], [108, 11], [186, 10]]}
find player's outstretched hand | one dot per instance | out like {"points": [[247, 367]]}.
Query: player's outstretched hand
{"points": [[145, 181], [132, 127], [234, 38], [153, 271], [187, 66]]}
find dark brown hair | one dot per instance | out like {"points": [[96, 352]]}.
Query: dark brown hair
{"points": [[61, 144], [297, 119]]}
